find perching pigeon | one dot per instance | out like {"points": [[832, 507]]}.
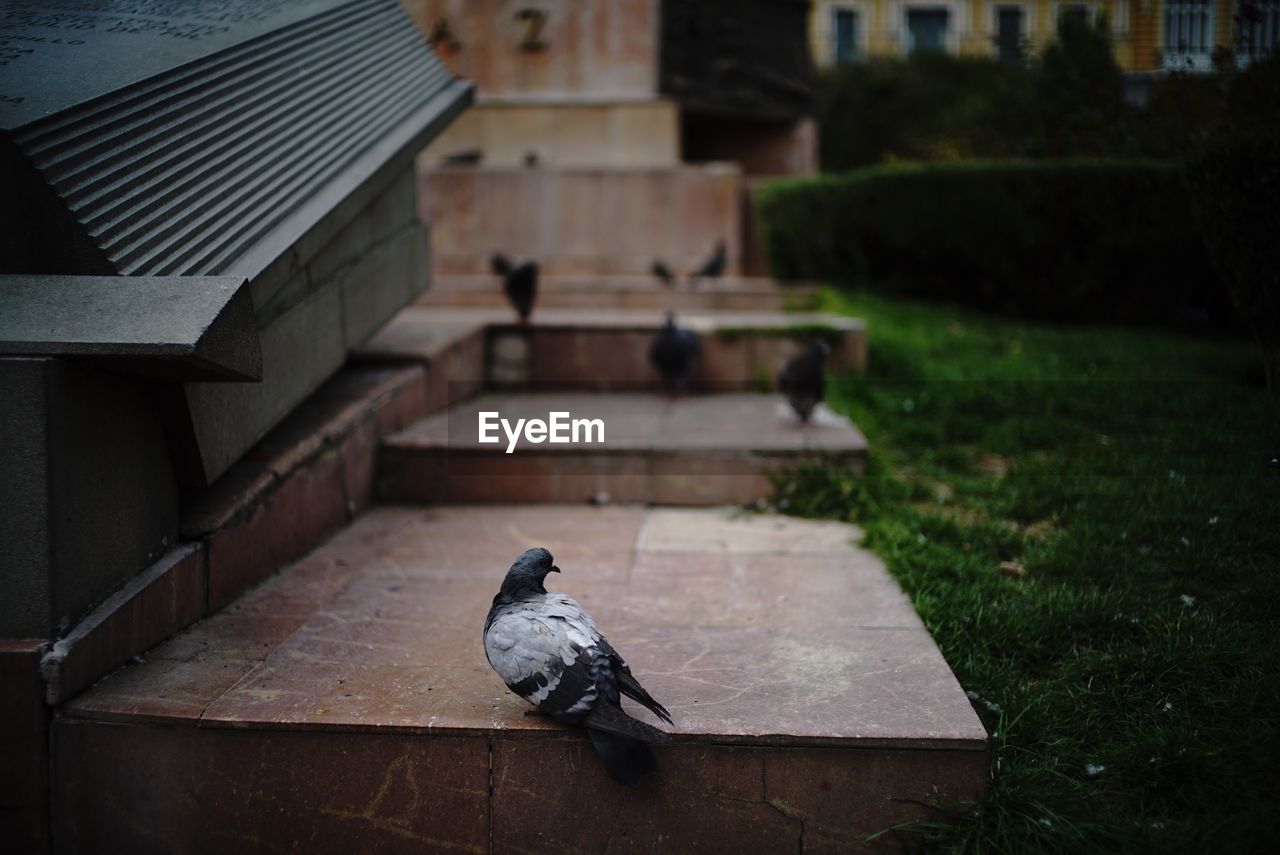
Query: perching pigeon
{"points": [[469, 157], [801, 379], [547, 650], [520, 283], [664, 272], [713, 268], [674, 352]]}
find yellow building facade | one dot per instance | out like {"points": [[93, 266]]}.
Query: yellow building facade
{"points": [[1148, 35]]}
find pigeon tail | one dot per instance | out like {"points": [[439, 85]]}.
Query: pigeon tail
{"points": [[631, 687], [626, 760], [613, 719]]}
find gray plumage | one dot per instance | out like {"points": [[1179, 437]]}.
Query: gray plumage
{"points": [[674, 352], [546, 648], [802, 379]]}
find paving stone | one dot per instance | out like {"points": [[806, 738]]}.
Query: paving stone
{"points": [[811, 706], [707, 450]]}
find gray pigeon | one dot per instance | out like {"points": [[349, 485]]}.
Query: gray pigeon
{"points": [[519, 282], [713, 267], [663, 271], [674, 352], [547, 650], [801, 379]]}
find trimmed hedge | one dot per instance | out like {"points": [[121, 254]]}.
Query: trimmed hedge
{"points": [[1070, 240], [1236, 192]]}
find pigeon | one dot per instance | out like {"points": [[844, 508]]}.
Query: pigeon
{"points": [[469, 157], [674, 352], [664, 272], [801, 379], [713, 267], [520, 283], [547, 650]]}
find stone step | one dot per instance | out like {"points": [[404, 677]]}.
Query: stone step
{"points": [[704, 450], [346, 704], [620, 291], [609, 349]]}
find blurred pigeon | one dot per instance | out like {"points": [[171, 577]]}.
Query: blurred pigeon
{"points": [[547, 650], [468, 157], [801, 379], [674, 352], [713, 267], [520, 283], [663, 272]]}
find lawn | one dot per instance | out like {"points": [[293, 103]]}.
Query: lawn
{"points": [[1089, 524]]}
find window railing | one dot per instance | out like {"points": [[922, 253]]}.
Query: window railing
{"points": [[1188, 35]]}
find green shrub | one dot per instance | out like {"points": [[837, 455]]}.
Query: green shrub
{"points": [[929, 107], [1236, 190], [1075, 240]]}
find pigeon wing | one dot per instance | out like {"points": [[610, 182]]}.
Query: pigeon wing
{"points": [[543, 650]]}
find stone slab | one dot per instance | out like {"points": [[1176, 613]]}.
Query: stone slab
{"points": [[704, 450], [91, 498], [812, 709], [677, 212], [214, 790], [624, 291], [608, 349], [69, 57], [814, 650], [153, 605], [161, 327]]}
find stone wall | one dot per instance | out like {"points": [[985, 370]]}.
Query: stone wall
{"points": [[554, 47], [582, 221], [563, 133]]}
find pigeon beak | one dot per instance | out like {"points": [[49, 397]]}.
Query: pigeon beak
{"points": [[555, 569]]}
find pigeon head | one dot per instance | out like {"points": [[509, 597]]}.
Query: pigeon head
{"points": [[671, 320], [527, 573], [500, 264]]}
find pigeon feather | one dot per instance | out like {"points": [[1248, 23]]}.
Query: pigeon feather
{"points": [[547, 649]]}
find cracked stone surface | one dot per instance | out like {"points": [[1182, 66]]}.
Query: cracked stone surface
{"points": [[809, 700]]}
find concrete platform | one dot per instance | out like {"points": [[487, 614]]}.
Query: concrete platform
{"points": [[608, 349], [622, 291], [703, 450], [346, 704]]}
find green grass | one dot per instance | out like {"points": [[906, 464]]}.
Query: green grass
{"points": [[1127, 474]]}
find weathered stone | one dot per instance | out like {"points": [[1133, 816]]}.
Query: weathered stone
{"points": [[90, 498], [811, 706], [216, 790], [152, 606], [167, 328], [705, 450]]}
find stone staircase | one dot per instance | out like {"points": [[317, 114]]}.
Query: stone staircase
{"points": [[344, 703]]}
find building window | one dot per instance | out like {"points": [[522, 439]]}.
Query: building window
{"points": [[1009, 33], [845, 24], [1257, 29], [1188, 34], [927, 29]]}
